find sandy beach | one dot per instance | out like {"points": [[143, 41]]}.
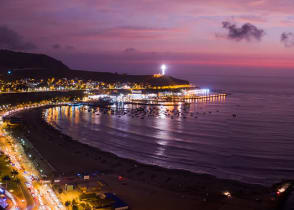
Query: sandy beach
{"points": [[146, 187]]}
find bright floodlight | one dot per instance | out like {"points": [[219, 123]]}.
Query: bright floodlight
{"points": [[163, 68]]}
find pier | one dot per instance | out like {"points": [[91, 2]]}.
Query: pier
{"points": [[176, 100]]}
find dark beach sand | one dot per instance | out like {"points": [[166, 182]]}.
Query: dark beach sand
{"points": [[147, 187]]}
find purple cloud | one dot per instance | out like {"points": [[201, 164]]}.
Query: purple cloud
{"points": [[130, 50], [287, 39], [10, 39], [246, 32], [56, 46]]}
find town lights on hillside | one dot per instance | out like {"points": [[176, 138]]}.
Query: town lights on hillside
{"points": [[163, 69]]}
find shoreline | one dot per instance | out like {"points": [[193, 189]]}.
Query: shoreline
{"points": [[183, 187]]}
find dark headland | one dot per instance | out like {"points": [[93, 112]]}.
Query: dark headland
{"points": [[29, 65]]}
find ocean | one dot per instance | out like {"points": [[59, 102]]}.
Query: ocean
{"points": [[256, 146]]}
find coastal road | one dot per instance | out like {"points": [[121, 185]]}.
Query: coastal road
{"points": [[44, 196]]}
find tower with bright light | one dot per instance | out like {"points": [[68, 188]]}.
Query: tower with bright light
{"points": [[163, 69]]}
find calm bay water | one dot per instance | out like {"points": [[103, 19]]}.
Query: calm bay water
{"points": [[257, 146]]}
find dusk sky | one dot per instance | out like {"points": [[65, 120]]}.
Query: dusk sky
{"points": [[124, 35]]}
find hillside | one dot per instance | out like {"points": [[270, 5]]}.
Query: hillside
{"points": [[18, 60], [38, 66]]}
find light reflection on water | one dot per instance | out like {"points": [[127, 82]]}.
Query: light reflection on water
{"points": [[256, 146]]}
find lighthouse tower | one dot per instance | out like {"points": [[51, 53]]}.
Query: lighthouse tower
{"points": [[163, 69]]}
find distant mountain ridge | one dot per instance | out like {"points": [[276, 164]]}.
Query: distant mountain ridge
{"points": [[24, 65], [19, 60]]}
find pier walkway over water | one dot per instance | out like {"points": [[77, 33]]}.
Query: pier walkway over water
{"points": [[177, 99]]}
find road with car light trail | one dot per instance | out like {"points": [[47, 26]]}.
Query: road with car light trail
{"points": [[39, 196]]}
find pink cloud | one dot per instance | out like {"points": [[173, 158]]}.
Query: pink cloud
{"points": [[132, 33]]}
